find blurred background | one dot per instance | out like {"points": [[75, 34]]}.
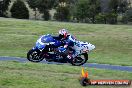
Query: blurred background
{"points": [[82, 11]]}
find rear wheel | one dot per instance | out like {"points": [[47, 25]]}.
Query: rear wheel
{"points": [[80, 60], [34, 56]]}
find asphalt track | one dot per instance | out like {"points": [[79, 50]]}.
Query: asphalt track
{"points": [[92, 65]]}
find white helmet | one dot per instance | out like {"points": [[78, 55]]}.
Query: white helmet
{"points": [[64, 32]]}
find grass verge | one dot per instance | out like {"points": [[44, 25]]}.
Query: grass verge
{"points": [[34, 75]]}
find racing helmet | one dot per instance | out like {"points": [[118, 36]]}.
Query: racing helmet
{"points": [[63, 33]]}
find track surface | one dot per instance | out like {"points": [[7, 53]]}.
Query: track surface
{"points": [[92, 65]]}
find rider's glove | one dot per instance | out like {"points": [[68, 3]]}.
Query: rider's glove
{"points": [[65, 46]]}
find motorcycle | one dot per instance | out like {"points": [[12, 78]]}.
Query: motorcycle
{"points": [[50, 54]]}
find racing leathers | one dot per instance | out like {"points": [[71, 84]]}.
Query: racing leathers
{"points": [[68, 44]]}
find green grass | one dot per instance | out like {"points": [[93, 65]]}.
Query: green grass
{"points": [[113, 42], [37, 75], [113, 46]]}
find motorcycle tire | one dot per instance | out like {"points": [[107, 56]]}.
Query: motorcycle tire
{"points": [[75, 60], [34, 56]]}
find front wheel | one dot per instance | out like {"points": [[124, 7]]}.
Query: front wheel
{"points": [[34, 56], [80, 60]]}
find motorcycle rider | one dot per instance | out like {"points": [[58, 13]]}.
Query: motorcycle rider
{"points": [[68, 42]]}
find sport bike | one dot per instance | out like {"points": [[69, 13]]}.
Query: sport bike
{"points": [[46, 47]]}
